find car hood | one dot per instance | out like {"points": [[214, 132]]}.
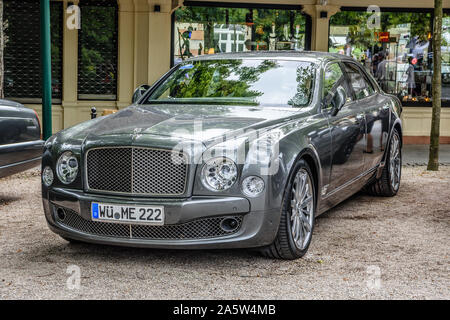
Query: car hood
{"points": [[136, 124]]}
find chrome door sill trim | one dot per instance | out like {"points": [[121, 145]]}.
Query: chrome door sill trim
{"points": [[350, 182]]}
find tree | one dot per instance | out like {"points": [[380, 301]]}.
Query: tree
{"points": [[433, 161]]}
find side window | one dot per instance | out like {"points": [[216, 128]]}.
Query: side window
{"points": [[361, 86], [334, 78]]}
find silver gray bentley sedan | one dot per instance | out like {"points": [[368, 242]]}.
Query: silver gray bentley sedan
{"points": [[226, 151]]}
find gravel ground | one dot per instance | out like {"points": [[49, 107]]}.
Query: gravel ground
{"points": [[366, 248]]}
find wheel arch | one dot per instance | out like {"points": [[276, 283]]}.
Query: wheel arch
{"points": [[311, 157], [396, 126], [313, 164], [281, 247]]}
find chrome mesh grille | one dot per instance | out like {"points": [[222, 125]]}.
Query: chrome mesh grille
{"points": [[197, 229], [110, 169], [74, 221], [136, 170]]}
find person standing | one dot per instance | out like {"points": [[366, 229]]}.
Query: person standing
{"points": [[348, 50], [374, 64], [410, 78], [381, 71]]}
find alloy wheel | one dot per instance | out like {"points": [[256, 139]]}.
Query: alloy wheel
{"points": [[302, 206], [395, 162]]}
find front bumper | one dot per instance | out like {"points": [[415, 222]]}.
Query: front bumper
{"points": [[257, 228]]}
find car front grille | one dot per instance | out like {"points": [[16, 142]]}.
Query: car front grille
{"points": [[136, 170], [197, 229]]}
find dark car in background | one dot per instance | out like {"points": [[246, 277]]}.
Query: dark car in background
{"points": [[20, 138], [226, 151]]}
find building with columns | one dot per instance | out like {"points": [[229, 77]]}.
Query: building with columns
{"points": [[121, 44]]}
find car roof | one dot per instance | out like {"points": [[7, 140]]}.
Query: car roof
{"points": [[313, 56]]}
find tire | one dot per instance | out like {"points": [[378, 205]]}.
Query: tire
{"points": [[389, 182], [285, 246]]}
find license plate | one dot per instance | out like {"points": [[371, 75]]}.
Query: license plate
{"points": [[153, 215]]}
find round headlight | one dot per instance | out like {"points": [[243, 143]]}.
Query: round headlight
{"points": [[47, 176], [219, 174], [252, 186], [67, 167]]}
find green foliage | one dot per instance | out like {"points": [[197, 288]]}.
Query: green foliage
{"points": [[305, 79], [207, 16], [97, 38], [362, 37], [234, 82], [218, 78], [359, 34], [333, 76]]}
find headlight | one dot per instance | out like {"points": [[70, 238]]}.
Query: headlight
{"points": [[47, 176], [67, 167], [219, 174], [252, 186]]}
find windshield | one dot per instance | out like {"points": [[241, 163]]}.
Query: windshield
{"points": [[238, 82]]}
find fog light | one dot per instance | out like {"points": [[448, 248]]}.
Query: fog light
{"points": [[229, 224], [252, 186], [61, 214], [47, 176]]}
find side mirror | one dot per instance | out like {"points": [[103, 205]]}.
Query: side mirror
{"points": [[338, 101], [139, 92]]}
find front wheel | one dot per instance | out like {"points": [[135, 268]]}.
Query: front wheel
{"points": [[389, 182], [297, 216]]}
